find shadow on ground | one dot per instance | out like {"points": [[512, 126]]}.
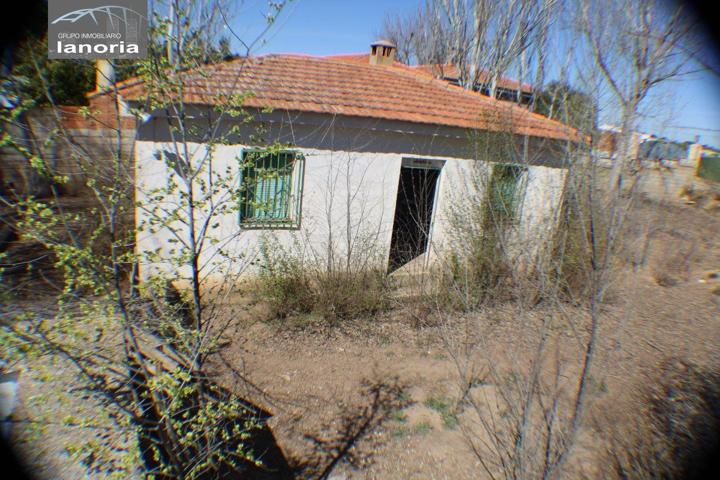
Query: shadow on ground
{"points": [[351, 439]]}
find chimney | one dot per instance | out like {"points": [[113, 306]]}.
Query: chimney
{"points": [[382, 52], [104, 74]]}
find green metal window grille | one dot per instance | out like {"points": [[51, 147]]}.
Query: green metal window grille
{"points": [[271, 189], [505, 192]]}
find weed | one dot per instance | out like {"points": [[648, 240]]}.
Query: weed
{"points": [[284, 285], [437, 403], [400, 432], [443, 407], [602, 387], [398, 416], [405, 397], [450, 420], [423, 428]]}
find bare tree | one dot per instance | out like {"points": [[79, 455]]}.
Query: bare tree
{"points": [[636, 46], [482, 39], [631, 47], [421, 37], [146, 367]]}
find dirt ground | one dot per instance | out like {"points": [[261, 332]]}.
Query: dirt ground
{"points": [[381, 398]]}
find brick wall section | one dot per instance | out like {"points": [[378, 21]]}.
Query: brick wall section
{"points": [[103, 115], [89, 142], [89, 146]]}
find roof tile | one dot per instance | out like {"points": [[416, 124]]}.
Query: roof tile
{"points": [[334, 85]]}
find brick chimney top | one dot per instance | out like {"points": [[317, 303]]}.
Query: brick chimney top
{"points": [[382, 52]]}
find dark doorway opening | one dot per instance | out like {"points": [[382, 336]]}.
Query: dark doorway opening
{"points": [[413, 214]]}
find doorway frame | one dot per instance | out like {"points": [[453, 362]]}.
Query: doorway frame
{"points": [[420, 163]]}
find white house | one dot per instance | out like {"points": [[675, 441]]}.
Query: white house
{"points": [[379, 156]]}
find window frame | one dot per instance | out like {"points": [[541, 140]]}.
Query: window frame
{"points": [[506, 217], [294, 196]]}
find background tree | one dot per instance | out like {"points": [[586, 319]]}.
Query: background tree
{"points": [[67, 80], [635, 46], [560, 101], [483, 39]]}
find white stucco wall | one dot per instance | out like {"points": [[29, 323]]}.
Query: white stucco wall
{"points": [[348, 202], [539, 209], [464, 182], [345, 195]]}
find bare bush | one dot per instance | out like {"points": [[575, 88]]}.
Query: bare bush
{"points": [[284, 284], [581, 236], [676, 434]]}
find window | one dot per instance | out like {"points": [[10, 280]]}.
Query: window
{"points": [[271, 189], [504, 193]]}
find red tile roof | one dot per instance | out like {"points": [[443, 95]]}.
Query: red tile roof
{"points": [[446, 71], [334, 85], [450, 71]]}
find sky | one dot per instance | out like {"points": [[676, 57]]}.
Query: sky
{"points": [[687, 108]]}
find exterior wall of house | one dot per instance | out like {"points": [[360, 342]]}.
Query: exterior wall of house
{"points": [[539, 210], [463, 186], [348, 205], [346, 197]]}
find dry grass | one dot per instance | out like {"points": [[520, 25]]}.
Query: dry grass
{"points": [[292, 288]]}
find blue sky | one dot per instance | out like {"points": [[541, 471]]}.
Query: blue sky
{"points": [[327, 27]]}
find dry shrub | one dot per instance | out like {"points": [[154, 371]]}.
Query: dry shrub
{"points": [[713, 203], [292, 287], [688, 194], [482, 273], [664, 279], [580, 240], [284, 284], [571, 251], [354, 294], [706, 196], [677, 432]]}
